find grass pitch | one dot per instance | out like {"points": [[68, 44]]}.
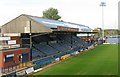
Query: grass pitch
{"points": [[103, 60]]}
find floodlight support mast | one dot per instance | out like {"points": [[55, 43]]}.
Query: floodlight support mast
{"points": [[103, 4]]}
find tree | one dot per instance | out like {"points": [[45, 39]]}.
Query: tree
{"points": [[51, 13], [99, 31]]}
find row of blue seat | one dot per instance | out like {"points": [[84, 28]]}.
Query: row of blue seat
{"points": [[48, 50], [44, 61], [74, 41], [59, 54], [36, 54], [60, 46]]}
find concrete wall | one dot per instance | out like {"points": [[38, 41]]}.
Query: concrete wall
{"points": [[15, 26], [0, 71], [18, 25], [0, 29], [37, 27], [119, 15]]}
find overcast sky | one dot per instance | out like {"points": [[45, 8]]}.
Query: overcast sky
{"points": [[86, 12]]}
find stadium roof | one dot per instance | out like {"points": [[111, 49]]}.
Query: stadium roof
{"points": [[54, 23], [75, 32]]}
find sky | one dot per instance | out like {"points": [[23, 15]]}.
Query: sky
{"points": [[85, 12]]}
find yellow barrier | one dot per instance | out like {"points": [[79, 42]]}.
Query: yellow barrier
{"points": [[65, 56], [29, 64], [23, 64], [20, 64]]}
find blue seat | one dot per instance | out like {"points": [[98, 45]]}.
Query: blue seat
{"points": [[37, 54], [48, 50], [44, 61]]}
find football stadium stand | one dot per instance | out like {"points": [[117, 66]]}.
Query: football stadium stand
{"points": [[46, 40]]}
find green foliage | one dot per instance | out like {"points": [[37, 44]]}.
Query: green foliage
{"points": [[99, 33], [107, 32], [111, 32], [51, 13]]}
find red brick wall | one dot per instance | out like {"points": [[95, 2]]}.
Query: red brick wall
{"points": [[17, 38], [1, 59], [16, 57]]}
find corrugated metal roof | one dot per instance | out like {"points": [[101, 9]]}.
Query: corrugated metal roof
{"points": [[54, 23]]}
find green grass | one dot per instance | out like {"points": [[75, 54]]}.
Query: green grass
{"points": [[103, 60]]}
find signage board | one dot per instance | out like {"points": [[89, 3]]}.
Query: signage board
{"points": [[11, 42], [4, 38], [61, 28], [29, 70]]}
